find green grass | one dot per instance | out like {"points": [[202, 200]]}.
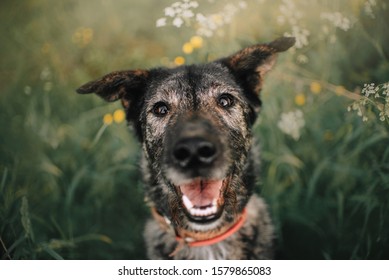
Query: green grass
{"points": [[70, 186]]}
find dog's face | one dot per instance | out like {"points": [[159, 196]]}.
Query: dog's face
{"points": [[195, 126], [194, 123]]}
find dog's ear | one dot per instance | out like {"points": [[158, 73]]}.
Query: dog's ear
{"points": [[123, 85], [251, 64]]}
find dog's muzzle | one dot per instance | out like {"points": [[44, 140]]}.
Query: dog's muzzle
{"points": [[197, 157]]}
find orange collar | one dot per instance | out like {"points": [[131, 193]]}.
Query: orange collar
{"points": [[165, 223], [220, 237]]}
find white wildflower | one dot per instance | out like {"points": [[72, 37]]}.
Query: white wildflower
{"points": [[302, 59], [170, 12], [161, 22], [208, 24], [182, 12], [187, 14], [200, 18], [45, 74], [338, 20], [301, 36], [291, 15], [176, 4], [193, 4], [185, 6], [369, 89], [289, 9], [373, 96], [229, 11], [368, 7], [179, 12], [385, 89], [290, 12], [291, 123], [177, 22], [242, 4]]}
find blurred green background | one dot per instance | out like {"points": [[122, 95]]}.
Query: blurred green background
{"points": [[69, 180]]}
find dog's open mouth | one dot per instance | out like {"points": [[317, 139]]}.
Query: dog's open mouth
{"points": [[203, 199]]}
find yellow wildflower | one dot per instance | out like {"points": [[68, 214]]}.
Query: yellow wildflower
{"points": [[315, 87], [299, 99], [187, 48], [107, 119], [340, 90], [119, 116], [179, 60], [87, 34], [196, 42], [82, 36]]}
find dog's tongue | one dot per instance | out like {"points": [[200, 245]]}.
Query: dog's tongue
{"points": [[202, 193]]}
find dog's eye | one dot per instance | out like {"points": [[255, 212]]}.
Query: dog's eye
{"points": [[225, 100], [160, 109]]}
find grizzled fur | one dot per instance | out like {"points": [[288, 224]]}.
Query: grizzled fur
{"points": [[214, 105]]}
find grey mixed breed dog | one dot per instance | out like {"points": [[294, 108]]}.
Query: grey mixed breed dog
{"points": [[199, 159]]}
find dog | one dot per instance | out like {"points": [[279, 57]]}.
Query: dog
{"points": [[199, 158]]}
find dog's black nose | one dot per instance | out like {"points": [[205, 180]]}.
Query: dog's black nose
{"points": [[194, 151]]}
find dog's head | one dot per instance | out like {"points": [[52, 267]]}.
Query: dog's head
{"points": [[194, 123]]}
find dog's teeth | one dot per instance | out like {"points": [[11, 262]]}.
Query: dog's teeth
{"points": [[203, 212], [195, 211], [188, 204]]}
